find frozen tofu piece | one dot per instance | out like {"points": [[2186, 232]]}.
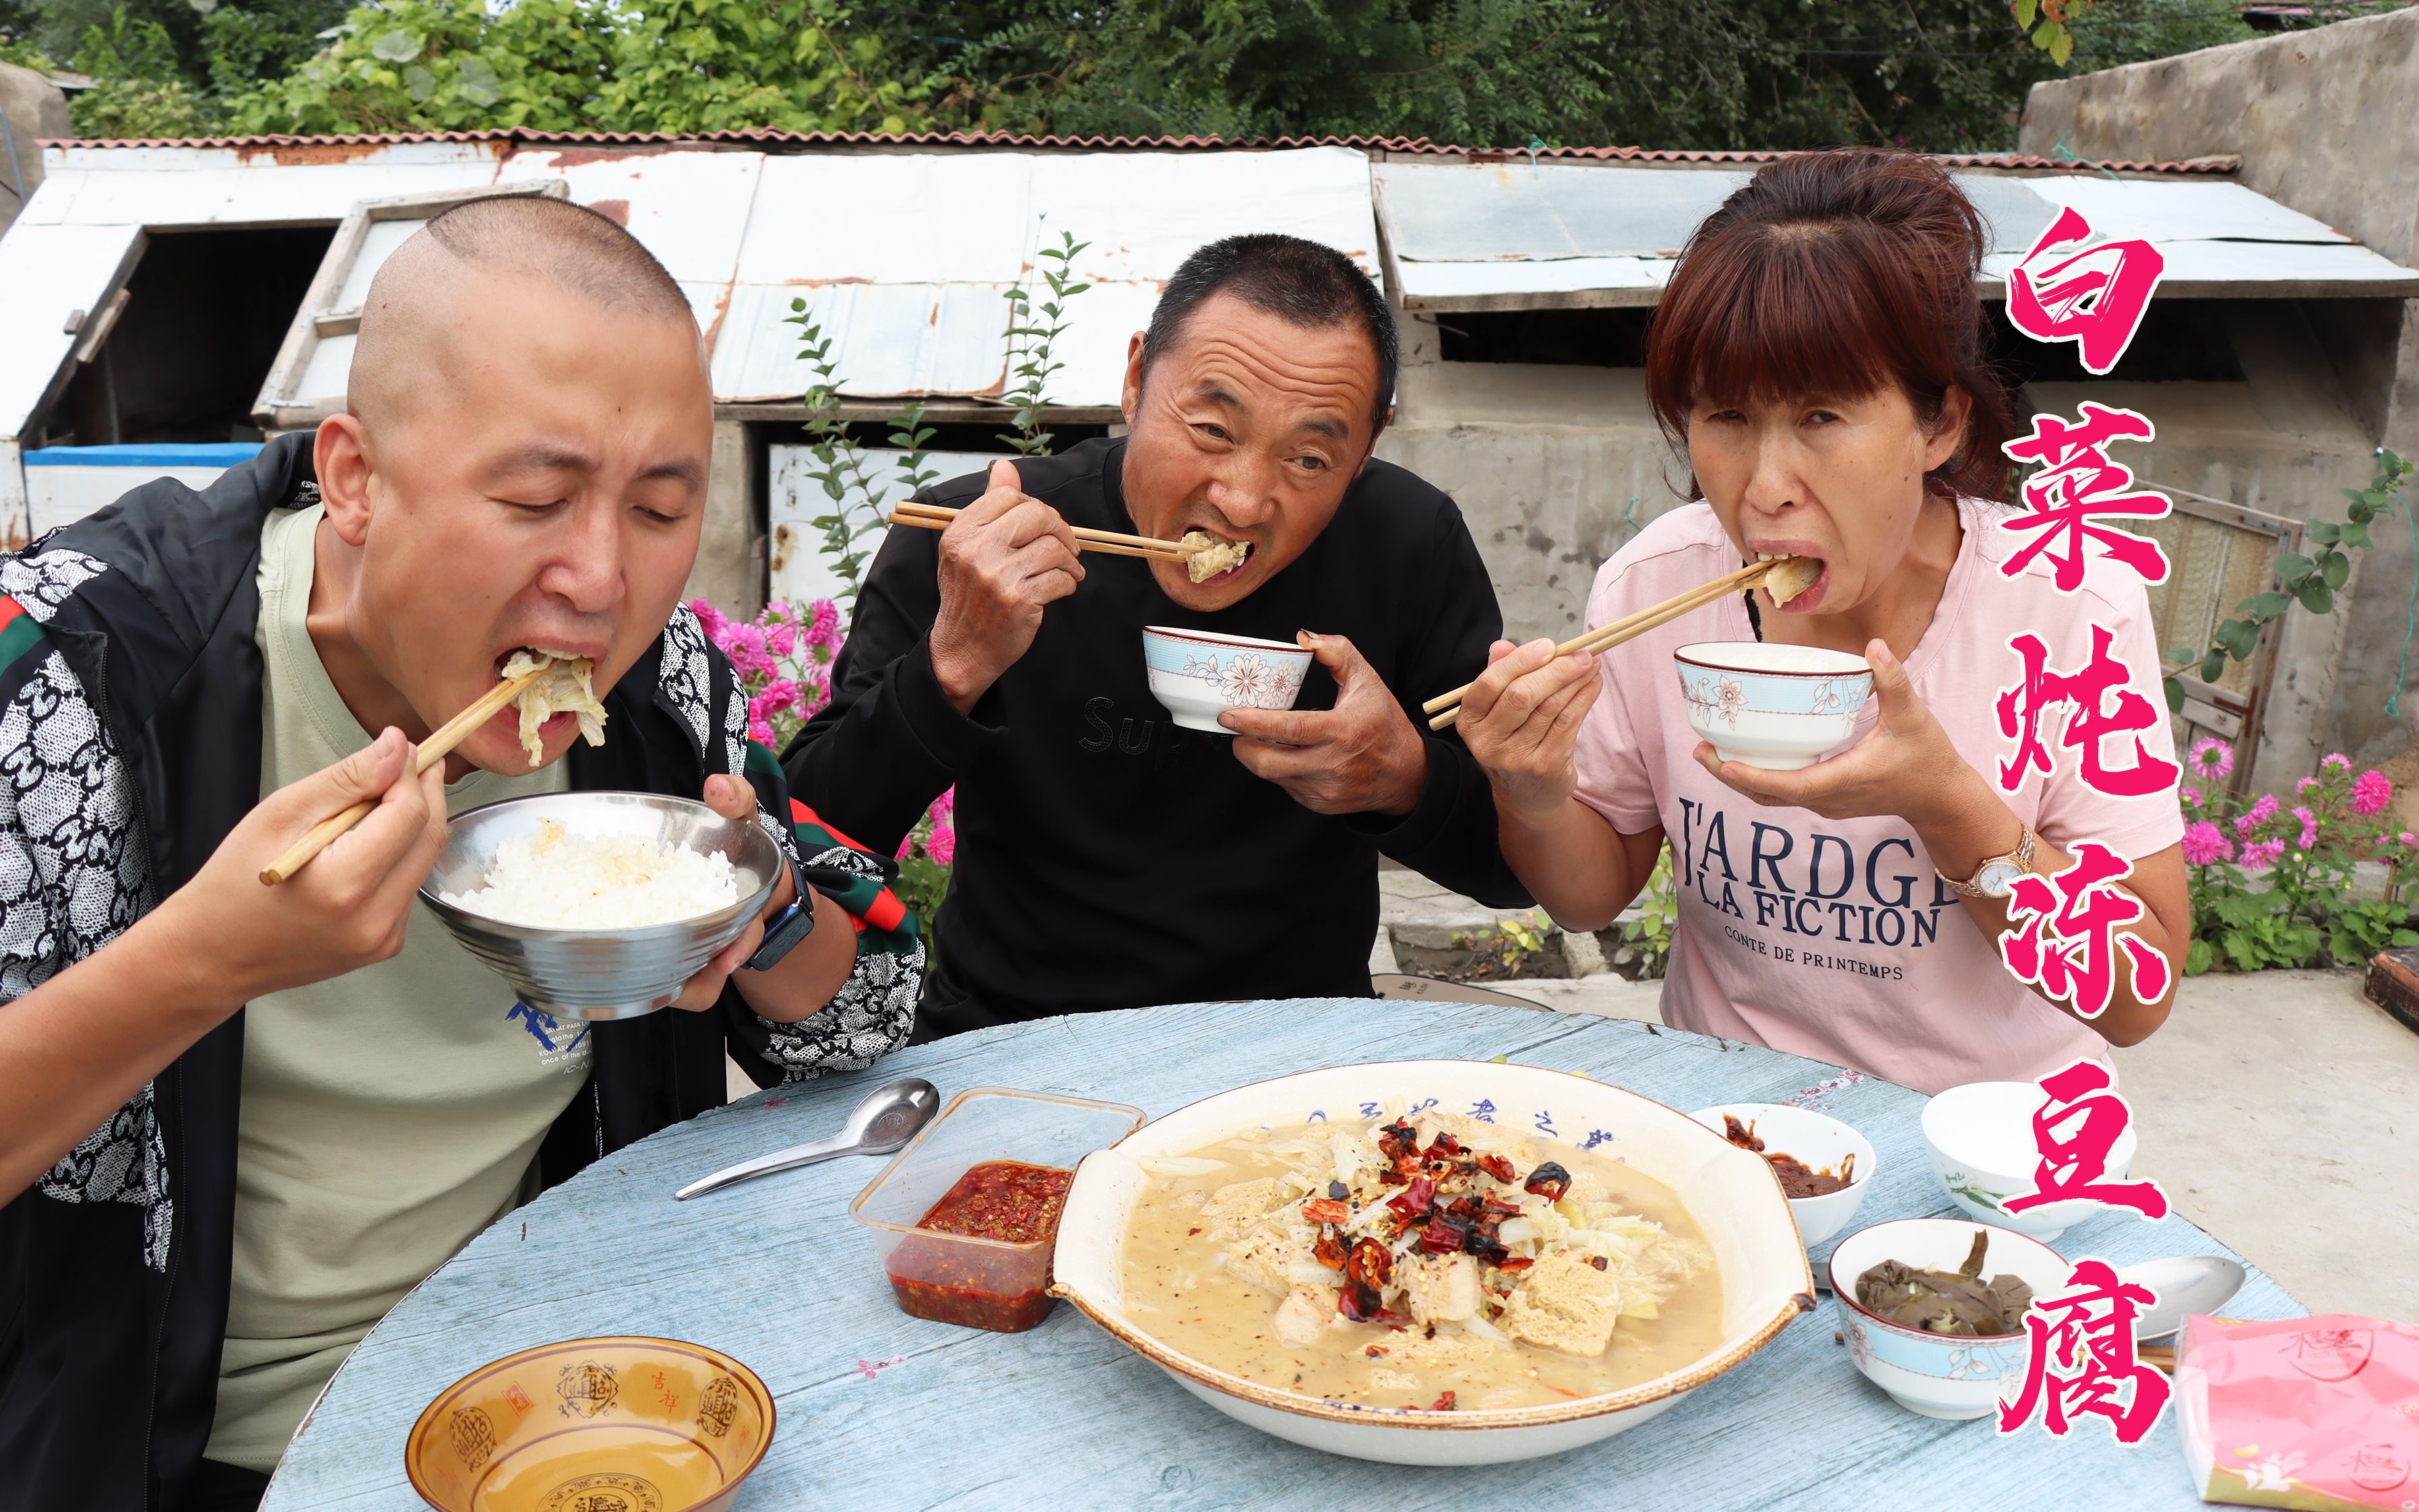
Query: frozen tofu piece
{"points": [[1264, 1259], [1446, 1351], [1305, 1315], [1241, 1205], [1206, 555], [1442, 1289], [1791, 578], [1564, 1304], [1385, 1380]]}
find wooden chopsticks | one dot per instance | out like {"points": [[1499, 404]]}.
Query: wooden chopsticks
{"points": [[432, 750], [1110, 543], [1447, 706]]}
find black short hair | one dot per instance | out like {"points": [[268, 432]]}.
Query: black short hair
{"points": [[1302, 282], [579, 249]]}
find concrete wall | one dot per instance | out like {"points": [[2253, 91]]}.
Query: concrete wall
{"points": [[2323, 121], [34, 110], [730, 571]]}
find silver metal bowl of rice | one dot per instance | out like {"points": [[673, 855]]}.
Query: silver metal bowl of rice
{"points": [[599, 905]]}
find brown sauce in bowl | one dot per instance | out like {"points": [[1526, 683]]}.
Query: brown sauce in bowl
{"points": [[1797, 1179]]}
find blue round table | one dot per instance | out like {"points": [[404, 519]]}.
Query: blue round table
{"points": [[881, 1411]]}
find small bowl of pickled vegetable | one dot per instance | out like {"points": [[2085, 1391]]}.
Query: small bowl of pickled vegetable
{"points": [[1824, 1166], [1935, 1309], [964, 1218]]}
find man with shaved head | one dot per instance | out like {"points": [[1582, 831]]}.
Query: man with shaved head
{"points": [[239, 1122]]}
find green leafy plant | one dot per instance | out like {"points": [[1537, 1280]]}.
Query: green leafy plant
{"points": [[2310, 581], [2044, 21], [2272, 883], [1033, 332], [857, 515], [1499, 949], [1657, 908]]}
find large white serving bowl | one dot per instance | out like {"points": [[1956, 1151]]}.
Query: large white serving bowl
{"points": [[1769, 704], [1730, 1192], [1939, 1375], [1200, 674], [1819, 1141], [1981, 1136]]}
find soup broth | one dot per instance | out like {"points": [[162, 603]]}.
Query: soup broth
{"points": [[1505, 1261]]}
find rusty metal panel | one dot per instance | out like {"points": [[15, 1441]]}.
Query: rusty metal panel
{"points": [[52, 275], [165, 186], [689, 209]]}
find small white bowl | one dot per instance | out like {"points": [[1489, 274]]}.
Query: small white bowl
{"points": [[1772, 705], [1200, 674], [1818, 1141], [1939, 1375], [1981, 1136]]}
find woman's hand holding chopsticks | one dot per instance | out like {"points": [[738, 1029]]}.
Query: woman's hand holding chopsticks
{"points": [[1003, 559]]}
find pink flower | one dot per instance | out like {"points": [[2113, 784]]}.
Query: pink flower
{"points": [[905, 846], [746, 649], [2373, 791], [2408, 839], [760, 732], [2192, 795], [2264, 809], [2205, 842], [823, 627], [782, 638], [2262, 855], [710, 617], [943, 846], [2336, 759], [2212, 757], [780, 693], [2310, 828], [2306, 784], [945, 805]]}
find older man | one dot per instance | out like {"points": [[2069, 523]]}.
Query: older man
{"points": [[239, 1122], [1106, 858]]}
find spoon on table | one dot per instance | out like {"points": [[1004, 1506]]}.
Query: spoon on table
{"points": [[890, 1116]]}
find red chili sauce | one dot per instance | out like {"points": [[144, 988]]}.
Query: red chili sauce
{"points": [[976, 1285]]}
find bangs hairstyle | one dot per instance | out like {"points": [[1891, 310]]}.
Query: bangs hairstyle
{"points": [[1832, 275]]}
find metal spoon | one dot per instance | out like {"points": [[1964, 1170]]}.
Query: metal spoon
{"points": [[889, 1117], [2185, 1284]]}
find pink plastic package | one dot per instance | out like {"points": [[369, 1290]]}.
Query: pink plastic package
{"points": [[2302, 1413]]}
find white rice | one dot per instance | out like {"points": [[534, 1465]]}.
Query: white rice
{"points": [[553, 879]]}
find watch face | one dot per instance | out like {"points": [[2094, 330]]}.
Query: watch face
{"points": [[1998, 879]]}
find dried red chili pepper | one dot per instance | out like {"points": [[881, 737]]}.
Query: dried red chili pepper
{"points": [[1549, 1181], [1443, 1147], [1442, 1404], [1514, 1264], [1413, 1200], [1369, 1264], [1329, 1251], [1325, 1210], [1499, 1167]]}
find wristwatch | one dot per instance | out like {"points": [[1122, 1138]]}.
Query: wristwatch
{"points": [[787, 927], [1996, 876]]}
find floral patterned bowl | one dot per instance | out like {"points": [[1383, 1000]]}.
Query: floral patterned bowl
{"points": [[1983, 1151], [1200, 674], [1773, 706], [597, 1425], [1939, 1375]]}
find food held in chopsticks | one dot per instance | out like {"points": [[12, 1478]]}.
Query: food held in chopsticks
{"points": [[561, 687], [1945, 1302], [1790, 575], [1801, 575], [551, 878], [1428, 1261], [1206, 555]]}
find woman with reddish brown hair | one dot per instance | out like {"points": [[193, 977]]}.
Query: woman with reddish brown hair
{"points": [[1820, 355]]}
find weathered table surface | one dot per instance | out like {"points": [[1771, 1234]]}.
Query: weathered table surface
{"points": [[881, 1411]]}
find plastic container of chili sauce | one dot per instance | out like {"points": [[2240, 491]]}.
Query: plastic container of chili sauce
{"points": [[965, 1217]]}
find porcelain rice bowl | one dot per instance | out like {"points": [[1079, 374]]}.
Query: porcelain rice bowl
{"points": [[1939, 1375], [1730, 1192], [1980, 1138], [1770, 706], [1200, 674]]}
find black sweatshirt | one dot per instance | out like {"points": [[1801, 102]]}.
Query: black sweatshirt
{"points": [[1106, 858]]}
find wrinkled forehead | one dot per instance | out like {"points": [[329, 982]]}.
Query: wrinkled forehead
{"points": [[1229, 354]]}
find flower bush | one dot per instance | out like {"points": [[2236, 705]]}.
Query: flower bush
{"points": [[2271, 882], [783, 657]]}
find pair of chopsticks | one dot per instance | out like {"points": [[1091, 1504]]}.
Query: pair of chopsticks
{"points": [[935, 517], [1447, 706], [432, 750]]}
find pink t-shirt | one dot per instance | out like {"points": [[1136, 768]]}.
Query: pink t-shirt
{"points": [[1834, 938]]}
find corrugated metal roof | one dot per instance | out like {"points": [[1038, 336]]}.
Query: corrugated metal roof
{"points": [[1410, 146], [1523, 237]]}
